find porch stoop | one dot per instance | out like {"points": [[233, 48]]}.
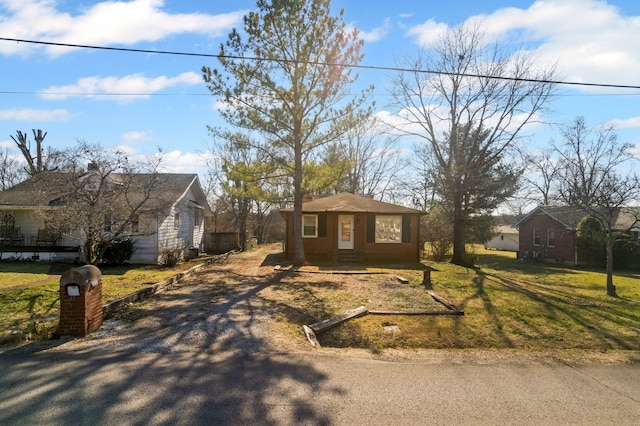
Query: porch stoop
{"points": [[347, 256]]}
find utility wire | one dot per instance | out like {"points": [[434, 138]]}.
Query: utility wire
{"points": [[367, 67]]}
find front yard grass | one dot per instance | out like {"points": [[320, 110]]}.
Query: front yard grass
{"points": [[510, 304], [507, 303], [30, 301]]}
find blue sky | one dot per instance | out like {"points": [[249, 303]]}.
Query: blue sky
{"points": [[139, 102]]}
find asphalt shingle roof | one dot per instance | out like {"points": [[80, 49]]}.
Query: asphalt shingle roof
{"points": [[624, 219], [47, 188], [350, 203]]}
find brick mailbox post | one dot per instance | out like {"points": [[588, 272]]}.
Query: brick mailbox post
{"points": [[80, 301]]}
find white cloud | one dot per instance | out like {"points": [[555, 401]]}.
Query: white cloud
{"points": [[120, 89], [590, 39], [128, 150], [136, 137], [104, 23], [8, 144], [183, 162], [427, 34], [627, 123], [37, 115], [375, 34]]}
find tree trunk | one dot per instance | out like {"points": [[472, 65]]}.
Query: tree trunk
{"points": [[459, 247], [611, 289], [298, 243], [91, 252]]}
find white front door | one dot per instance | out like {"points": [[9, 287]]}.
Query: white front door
{"points": [[345, 232]]}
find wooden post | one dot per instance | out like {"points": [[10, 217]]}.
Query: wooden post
{"points": [[426, 278]]}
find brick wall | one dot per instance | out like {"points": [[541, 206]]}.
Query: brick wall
{"points": [[564, 248]]}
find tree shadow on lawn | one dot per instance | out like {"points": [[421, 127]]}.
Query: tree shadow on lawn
{"points": [[506, 264], [552, 315]]}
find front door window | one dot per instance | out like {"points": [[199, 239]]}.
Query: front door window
{"points": [[345, 232]]}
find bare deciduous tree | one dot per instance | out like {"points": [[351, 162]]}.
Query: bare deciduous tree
{"points": [[477, 90], [590, 178], [102, 195], [374, 160], [11, 172], [40, 161], [542, 171]]}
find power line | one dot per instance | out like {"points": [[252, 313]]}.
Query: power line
{"points": [[161, 94], [96, 94], [367, 67]]}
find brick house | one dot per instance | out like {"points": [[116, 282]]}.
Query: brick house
{"points": [[548, 233], [353, 228]]}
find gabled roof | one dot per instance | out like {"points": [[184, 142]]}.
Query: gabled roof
{"points": [[50, 188], [350, 203], [505, 229], [569, 217]]}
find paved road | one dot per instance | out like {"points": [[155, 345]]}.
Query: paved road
{"points": [[92, 386]]}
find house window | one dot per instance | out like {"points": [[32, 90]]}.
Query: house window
{"points": [[176, 221], [388, 229], [536, 237], [551, 237], [196, 218], [309, 226]]}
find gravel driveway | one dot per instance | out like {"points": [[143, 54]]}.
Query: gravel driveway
{"points": [[203, 313]]}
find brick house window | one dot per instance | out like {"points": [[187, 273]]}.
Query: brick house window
{"points": [[309, 226], [388, 229], [551, 237], [536, 237]]}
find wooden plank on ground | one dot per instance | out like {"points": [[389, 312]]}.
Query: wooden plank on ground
{"points": [[311, 336], [415, 313], [332, 322], [444, 301], [403, 280]]}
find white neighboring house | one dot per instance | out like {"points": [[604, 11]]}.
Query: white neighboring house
{"points": [[172, 218], [506, 238]]}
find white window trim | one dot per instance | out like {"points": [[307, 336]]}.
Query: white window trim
{"points": [[549, 244], [315, 226], [534, 236]]}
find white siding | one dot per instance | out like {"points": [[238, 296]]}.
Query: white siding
{"points": [[506, 239], [156, 232]]}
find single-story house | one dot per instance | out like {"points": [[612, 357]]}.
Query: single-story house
{"points": [[353, 228], [506, 238], [548, 233], [171, 217]]}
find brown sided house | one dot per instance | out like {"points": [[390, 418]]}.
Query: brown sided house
{"points": [[353, 228], [548, 233]]}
